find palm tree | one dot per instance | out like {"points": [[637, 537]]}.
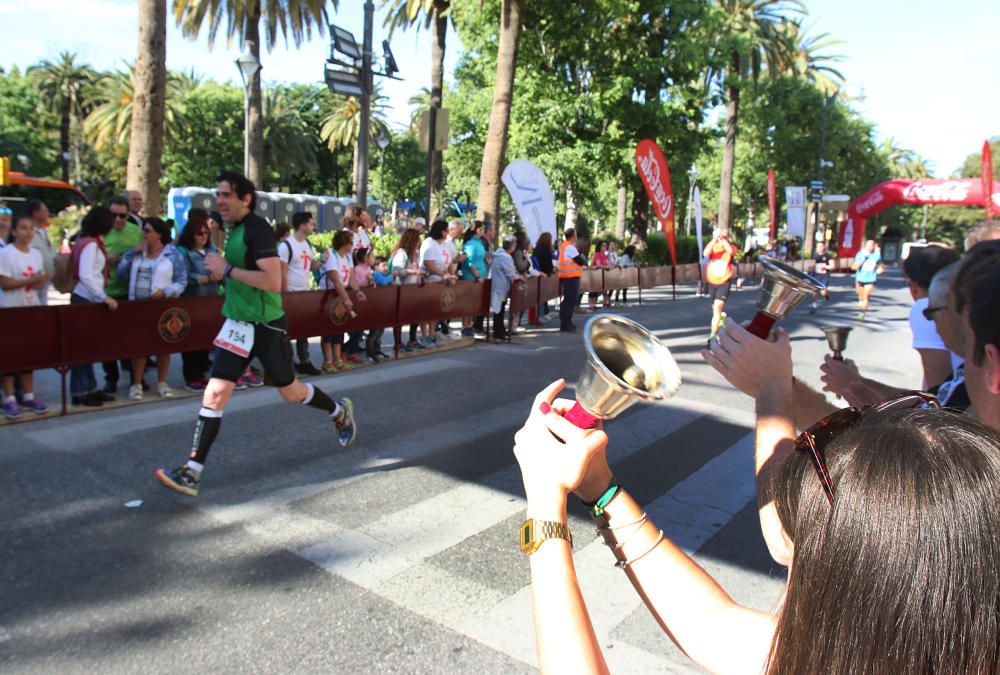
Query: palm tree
{"points": [[242, 20], [342, 126], [288, 140], [63, 84], [431, 14], [808, 63], [145, 150], [418, 103], [488, 203], [750, 38], [108, 125]]}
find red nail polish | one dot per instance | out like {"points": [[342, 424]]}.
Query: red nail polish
{"points": [[545, 408]]}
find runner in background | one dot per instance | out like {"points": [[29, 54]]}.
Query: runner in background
{"points": [[719, 275], [867, 266], [821, 270], [256, 325]]}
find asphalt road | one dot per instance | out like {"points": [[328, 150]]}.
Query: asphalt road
{"points": [[400, 553]]}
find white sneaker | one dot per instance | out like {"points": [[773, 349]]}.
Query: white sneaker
{"points": [[164, 390], [135, 392]]}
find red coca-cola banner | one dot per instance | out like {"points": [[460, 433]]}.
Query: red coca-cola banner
{"points": [[655, 174], [952, 191], [986, 176], [772, 201]]}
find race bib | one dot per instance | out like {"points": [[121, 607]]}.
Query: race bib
{"points": [[235, 337]]}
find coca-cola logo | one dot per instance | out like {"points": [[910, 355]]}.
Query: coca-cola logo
{"points": [[649, 168], [948, 191], [869, 202]]}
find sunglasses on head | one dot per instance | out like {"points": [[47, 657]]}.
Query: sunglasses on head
{"points": [[817, 438], [4, 211], [928, 312]]}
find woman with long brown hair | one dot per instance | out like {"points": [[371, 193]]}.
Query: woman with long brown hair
{"points": [[891, 517], [404, 265]]}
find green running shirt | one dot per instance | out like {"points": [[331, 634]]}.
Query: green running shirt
{"points": [[248, 242]]}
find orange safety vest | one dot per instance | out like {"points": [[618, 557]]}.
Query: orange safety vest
{"points": [[568, 268], [720, 268]]}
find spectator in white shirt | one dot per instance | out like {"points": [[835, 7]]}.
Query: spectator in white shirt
{"points": [[20, 273], [90, 268], [435, 261], [39, 214], [338, 276], [298, 261], [405, 268]]}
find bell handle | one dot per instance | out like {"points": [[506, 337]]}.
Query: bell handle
{"points": [[761, 325], [581, 418]]}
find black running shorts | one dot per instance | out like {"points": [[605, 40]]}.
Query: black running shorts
{"points": [[270, 345], [719, 291]]}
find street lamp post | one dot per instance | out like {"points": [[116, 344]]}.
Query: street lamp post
{"points": [[693, 176], [382, 141], [810, 239], [249, 66]]}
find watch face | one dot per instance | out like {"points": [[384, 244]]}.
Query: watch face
{"points": [[526, 536]]}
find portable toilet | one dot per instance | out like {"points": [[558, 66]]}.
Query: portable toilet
{"points": [[310, 203], [375, 209], [333, 209], [285, 205], [178, 205], [265, 206]]}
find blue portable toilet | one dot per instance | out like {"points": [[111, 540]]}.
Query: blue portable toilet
{"points": [[265, 206], [178, 205], [333, 209], [310, 203], [285, 205]]}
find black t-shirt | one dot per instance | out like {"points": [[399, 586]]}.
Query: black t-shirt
{"points": [[823, 261], [259, 240]]}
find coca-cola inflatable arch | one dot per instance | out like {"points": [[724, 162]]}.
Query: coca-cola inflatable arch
{"points": [[952, 191]]}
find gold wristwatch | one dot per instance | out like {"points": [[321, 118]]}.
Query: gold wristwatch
{"points": [[534, 532]]}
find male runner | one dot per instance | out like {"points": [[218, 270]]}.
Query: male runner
{"points": [[821, 270], [719, 275], [867, 266], [255, 325]]}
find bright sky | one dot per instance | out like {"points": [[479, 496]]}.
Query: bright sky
{"points": [[927, 70]]}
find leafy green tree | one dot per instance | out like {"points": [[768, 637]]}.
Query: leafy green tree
{"points": [[242, 20], [433, 15], [342, 126], [64, 83], [212, 138], [29, 128], [750, 37]]}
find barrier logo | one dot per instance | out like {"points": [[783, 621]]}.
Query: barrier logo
{"points": [[174, 325], [448, 299], [339, 314]]}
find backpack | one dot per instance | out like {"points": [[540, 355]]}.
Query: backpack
{"points": [[63, 279]]}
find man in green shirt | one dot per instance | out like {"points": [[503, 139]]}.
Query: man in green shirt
{"points": [[124, 235], [255, 326]]}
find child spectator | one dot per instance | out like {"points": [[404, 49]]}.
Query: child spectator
{"points": [[338, 276], [381, 275], [405, 269], [364, 277], [21, 274]]}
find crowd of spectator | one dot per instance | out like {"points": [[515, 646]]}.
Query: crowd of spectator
{"points": [[118, 255]]}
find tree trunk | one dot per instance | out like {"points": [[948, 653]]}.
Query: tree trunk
{"points": [[64, 137], [570, 208], [640, 217], [146, 140], [437, 83], [255, 170], [729, 152], [503, 96], [622, 206]]}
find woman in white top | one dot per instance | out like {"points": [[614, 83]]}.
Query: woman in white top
{"points": [[338, 276], [626, 261], [404, 265], [90, 268], [155, 271], [21, 272]]}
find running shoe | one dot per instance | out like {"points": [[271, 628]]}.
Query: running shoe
{"points": [[135, 392], [35, 405], [164, 390], [860, 316], [254, 380], [197, 385], [307, 368], [346, 427], [241, 383], [353, 358], [182, 479], [467, 332], [11, 410]]}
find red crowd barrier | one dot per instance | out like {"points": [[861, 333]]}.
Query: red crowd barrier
{"points": [[34, 338]]}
